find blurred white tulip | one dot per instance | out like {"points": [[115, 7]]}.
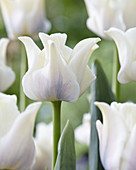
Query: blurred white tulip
{"points": [[125, 42], [44, 144], [117, 135], [24, 17], [17, 146], [82, 132], [7, 76], [57, 72], [105, 14]]}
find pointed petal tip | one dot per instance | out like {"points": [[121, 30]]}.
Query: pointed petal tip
{"points": [[41, 34], [4, 40], [110, 32], [23, 38], [98, 125], [34, 106]]}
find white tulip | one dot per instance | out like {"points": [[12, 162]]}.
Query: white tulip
{"points": [[7, 76], [44, 144], [17, 146], [125, 42], [129, 13], [105, 14], [117, 135], [82, 132], [24, 17], [57, 72]]}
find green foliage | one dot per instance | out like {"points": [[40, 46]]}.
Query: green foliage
{"points": [[100, 91], [66, 159]]}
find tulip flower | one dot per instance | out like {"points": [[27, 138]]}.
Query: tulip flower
{"points": [[7, 76], [105, 14], [17, 146], [82, 132], [125, 42], [57, 72], [44, 144], [117, 135], [25, 17]]}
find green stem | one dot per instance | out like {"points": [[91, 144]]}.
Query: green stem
{"points": [[23, 64], [115, 82], [56, 129]]}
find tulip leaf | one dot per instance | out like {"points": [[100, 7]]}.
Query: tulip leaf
{"points": [[100, 91], [66, 159]]}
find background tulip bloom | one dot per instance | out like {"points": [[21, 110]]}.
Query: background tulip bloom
{"points": [[16, 130], [117, 135], [7, 76], [25, 17], [125, 42], [82, 132], [57, 72], [44, 144], [105, 14]]}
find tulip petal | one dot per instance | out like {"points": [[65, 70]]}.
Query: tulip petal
{"points": [[7, 118], [103, 15], [82, 132], [89, 77], [113, 128], [17, 147], [128, 161], [53, 82], [6, 10], [34, 54], [7, 76], [122, 43], [44, 134], [125, 41], [60, 40], [34, 21], [3, 46], [80, 56]]}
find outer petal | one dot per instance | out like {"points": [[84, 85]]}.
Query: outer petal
{"points": [[7, 114], [89, 77], [36, 20], [7, 76], [34, 54], [43, 141], [54, 82], [3, 46], [17, 147], [59, 39], [10, 11], [126, 49], [79, 61], [129, 14], [128, 157], [103, 15], [113, 128], [82, 132]]}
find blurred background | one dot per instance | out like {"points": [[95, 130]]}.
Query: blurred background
{"points": [[68, 16]]}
